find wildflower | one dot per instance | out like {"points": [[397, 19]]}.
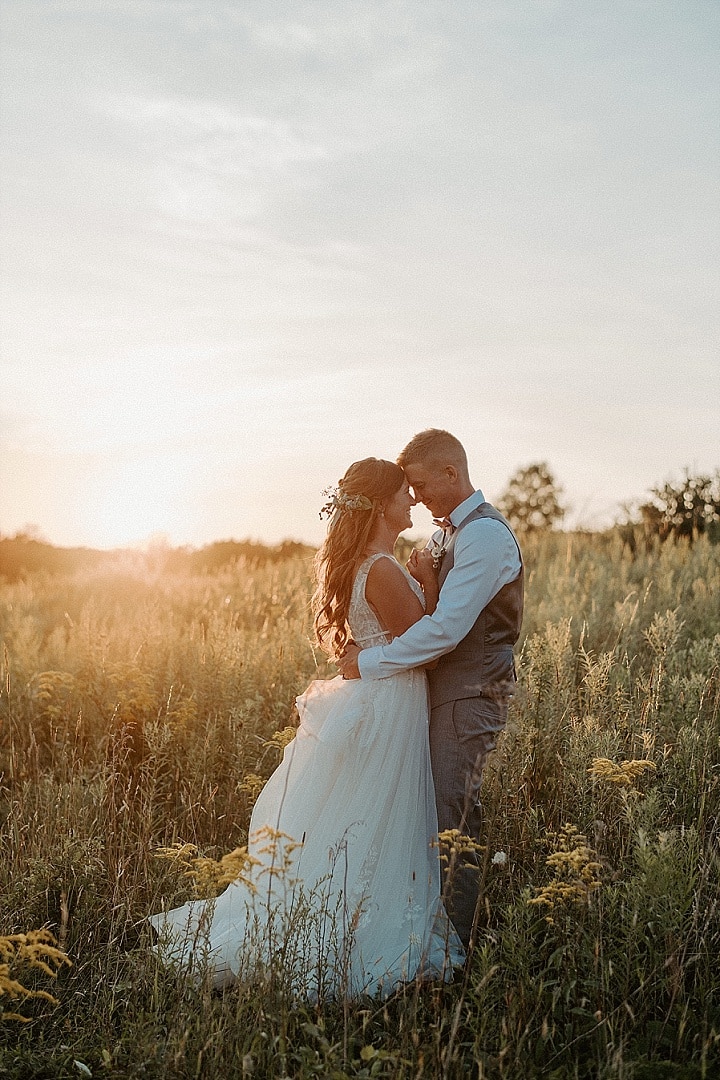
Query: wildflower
{"points": [[178, 852], [272, 836], [282, 738], [252, 784], [453, 843], [622, 773], [499, 858], [36, 949], [210, 876], [575, 872]]}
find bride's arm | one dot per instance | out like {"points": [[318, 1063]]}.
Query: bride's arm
{"points": [[390, 596]]}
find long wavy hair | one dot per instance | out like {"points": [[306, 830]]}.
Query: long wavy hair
{"points": [[348, 533]]}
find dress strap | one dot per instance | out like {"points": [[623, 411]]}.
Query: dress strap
{"points": [[367, 563]]}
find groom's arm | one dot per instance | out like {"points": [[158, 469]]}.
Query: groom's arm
{"points": [[486, 558]]}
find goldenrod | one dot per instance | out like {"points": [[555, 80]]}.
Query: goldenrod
{"points": [[575, 872], [621, 773], [36, 949], [210, 876]]}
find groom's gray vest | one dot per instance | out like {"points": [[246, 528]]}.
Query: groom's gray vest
{"points": [[484, 658]]}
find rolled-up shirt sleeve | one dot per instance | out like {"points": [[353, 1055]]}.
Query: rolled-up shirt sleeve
{"points": [[486, 557]]}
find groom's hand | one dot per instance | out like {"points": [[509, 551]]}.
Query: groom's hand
{"points": [[348, 661]]}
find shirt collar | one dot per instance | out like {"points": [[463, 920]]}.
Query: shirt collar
{"points": [[461, 512]]}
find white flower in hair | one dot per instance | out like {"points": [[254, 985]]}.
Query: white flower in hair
{"points": [[340, 500]]}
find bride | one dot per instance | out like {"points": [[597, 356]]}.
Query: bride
{"points": [[341, 894]]}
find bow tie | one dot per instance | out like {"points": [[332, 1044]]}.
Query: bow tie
{"points": [[445, 524]]}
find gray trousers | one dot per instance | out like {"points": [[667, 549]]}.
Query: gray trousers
{"points": [[462, 734]]}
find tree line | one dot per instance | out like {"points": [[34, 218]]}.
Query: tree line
{"points": [[690, 507], [24, 554], [532, 501]]}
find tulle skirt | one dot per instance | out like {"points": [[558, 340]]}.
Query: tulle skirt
{"points": [[343, 898]]}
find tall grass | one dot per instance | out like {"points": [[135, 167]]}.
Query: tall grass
{"points": [[139, 710]]}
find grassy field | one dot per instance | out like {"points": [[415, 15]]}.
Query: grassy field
{"points": [[140, 709]]}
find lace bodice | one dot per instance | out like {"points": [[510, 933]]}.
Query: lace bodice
{"points": [[365, 626]]}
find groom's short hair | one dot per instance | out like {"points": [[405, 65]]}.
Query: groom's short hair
{"points": [[434, 447]]}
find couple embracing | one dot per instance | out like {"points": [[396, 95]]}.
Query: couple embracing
{"points": [[344, 880]]}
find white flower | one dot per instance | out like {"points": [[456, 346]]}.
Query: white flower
{"points": [[340, 501], [499, 858], [437, 550]]}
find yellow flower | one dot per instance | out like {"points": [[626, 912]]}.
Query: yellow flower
{"points": [[452, 843], [210, 876], [252, 785], [575, 872], [36, 949], [282, 738], [622, 773]]}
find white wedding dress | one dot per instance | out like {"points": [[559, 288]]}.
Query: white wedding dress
{"points": [[345, 897]]}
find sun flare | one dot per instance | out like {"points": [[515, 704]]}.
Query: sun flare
{"points": [[138, 499]]}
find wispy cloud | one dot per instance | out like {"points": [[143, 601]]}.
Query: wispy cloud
{"points": [[207, 159], [286, 234], [265, 141]]}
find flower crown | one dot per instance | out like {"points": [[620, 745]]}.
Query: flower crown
{"points": [[338, 500]]}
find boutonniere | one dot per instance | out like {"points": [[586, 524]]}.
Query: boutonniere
{"points": [[437, 550], [439, 547]]}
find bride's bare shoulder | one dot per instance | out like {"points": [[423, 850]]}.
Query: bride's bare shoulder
{"points": [[387, 575], [386, 568], [391, 596]]}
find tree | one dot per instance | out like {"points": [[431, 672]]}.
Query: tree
{"points": [[688, 508], [532, 498]]}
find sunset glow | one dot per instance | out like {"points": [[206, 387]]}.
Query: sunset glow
{"points": [[245, 246]]}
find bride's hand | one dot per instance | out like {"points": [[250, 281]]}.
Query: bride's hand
{"points": [[420, 566]]}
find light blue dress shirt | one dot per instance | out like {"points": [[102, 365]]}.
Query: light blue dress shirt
{"points": [[486, 557]]}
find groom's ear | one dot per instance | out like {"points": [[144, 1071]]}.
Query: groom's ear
{"points": [[452, 474]]}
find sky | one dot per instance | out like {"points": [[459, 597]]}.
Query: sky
{"points": [[247, 242]]}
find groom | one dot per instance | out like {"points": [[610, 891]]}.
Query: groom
{"points": [[470, 636]]}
